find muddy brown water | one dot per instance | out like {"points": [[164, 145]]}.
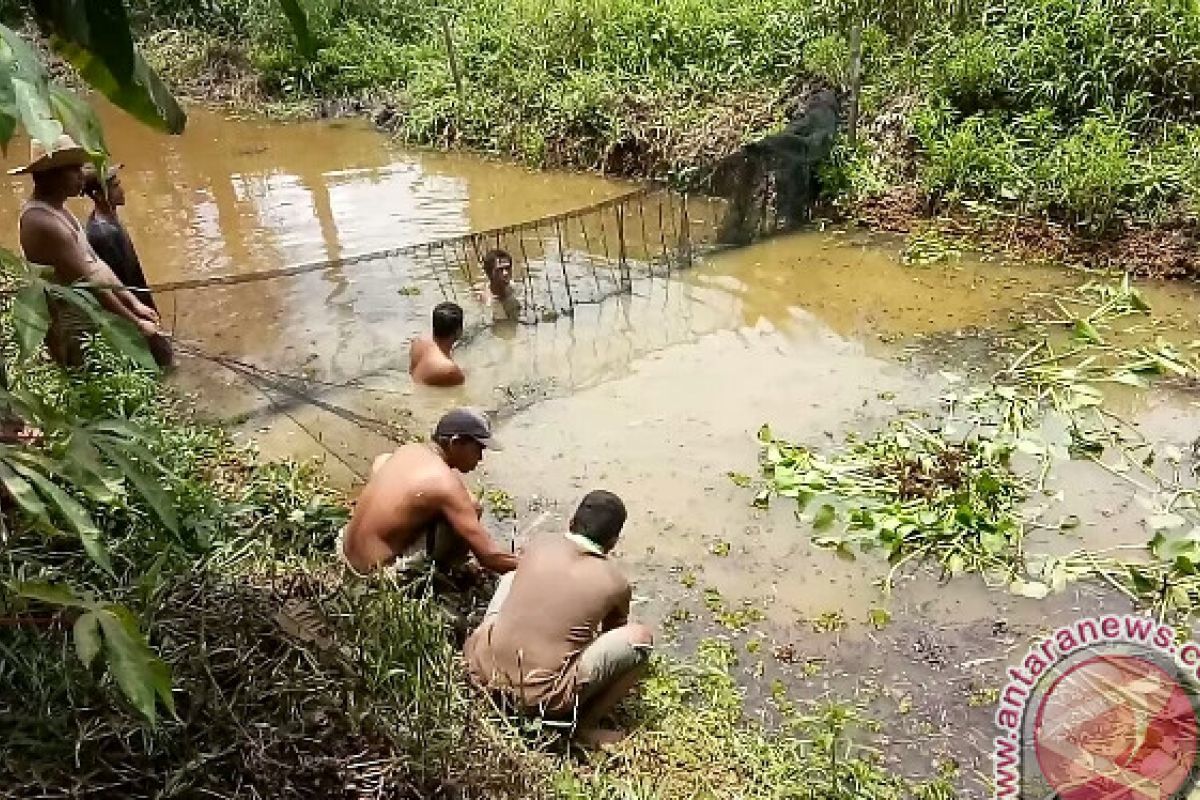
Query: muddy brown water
{"points": [[656, 395]]}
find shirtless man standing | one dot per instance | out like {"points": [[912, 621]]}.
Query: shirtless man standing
{"points": [[429, 360], [52, 236], [415, 505]]}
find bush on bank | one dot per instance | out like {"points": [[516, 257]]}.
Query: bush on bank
{"points": [[1081, 112]]}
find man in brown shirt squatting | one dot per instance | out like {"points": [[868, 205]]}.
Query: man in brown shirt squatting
{"points": [[415, 507], [557, 637]]}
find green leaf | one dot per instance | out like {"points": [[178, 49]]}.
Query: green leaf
{"points": [[825, 517], [8, 101], [31, 318], [82, 465], [79, 120], [37, 117], [20, 491], [148, 487], [87, 638], [879, 617], [98, 28], [72, 511], [993, 542], [298, 19], [1086, 331], [143, 95], [120, 333], [142, 676], [55, 594], [764, 434]]}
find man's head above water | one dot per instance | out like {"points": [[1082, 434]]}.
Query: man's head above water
{"points": [[463, 434], [108, 192], [600, 517], [497, 265], [447, 321]]}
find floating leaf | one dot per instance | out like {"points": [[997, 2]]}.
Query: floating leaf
{"points": [[824, 518], [879, 618], [1086, 331]]}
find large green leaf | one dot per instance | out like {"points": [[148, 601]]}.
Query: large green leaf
{"points": [[78, 119], [23, 59], [147, 486], [142, 676], [70, 510], [55, 594], [8, 102], [87, 637], [120, 333], [298, 18], [82, 465], [33, 107], [30, 318], [99, 28], [20, 490], [144, 96]]}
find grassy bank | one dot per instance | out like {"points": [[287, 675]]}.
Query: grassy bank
{"points": [[1074, 117], [189, 636]]}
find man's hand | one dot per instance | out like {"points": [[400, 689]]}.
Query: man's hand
{"points": [[147, 327]]}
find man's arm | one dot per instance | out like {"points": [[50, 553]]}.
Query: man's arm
{"points": [[459, 510], [45, 242], [620, 613]]}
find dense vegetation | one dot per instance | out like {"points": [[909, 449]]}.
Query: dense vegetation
{"points": [[1078, 112]]}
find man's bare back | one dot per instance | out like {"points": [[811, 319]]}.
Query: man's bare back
{"points": [[428, 365], [408, 492]]}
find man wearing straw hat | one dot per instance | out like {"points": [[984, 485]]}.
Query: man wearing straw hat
{"points": [[52, 236]]}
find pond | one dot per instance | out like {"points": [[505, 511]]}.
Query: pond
{"points": [[656, 394]]}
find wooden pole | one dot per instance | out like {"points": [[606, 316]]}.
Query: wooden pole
{"points": [[855, 79], [452, 57]]}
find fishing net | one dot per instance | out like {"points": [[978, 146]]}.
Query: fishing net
{"points": [[335, 334], [772, 184]]}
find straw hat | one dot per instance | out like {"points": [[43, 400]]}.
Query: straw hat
{"points": [[65, 153]]}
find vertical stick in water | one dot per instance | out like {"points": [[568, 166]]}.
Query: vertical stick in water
{"points": [[465, 264], [474, 239], [645, 238], [587, 246], [562, 262], [662, 236], [685, 243], [449, 270], [622, 260], [528, 271]]}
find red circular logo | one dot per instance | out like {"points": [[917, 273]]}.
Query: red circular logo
{"points": [[1116, 727]]}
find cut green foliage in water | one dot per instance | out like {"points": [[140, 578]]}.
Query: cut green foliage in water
{"points": [[911, 492], [962, 491]]}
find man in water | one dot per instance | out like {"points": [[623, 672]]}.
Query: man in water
{"points": [[498, 267], [51, 235], [556, 637], [109, 238], [429, 360], [416, 507]]}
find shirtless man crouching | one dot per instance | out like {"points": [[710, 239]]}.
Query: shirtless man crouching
{"points": [[416, 507]]}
